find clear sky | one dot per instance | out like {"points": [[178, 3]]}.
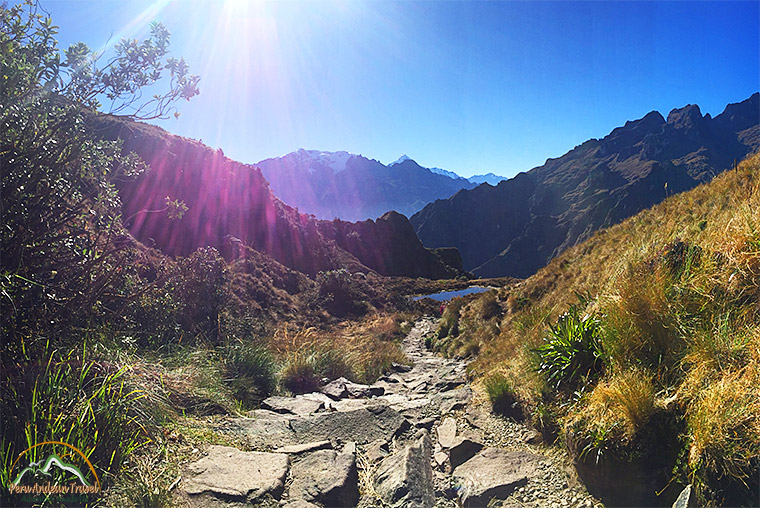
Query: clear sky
{"points": [[471, 87]]}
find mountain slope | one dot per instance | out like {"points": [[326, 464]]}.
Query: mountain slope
{"points": [[231, 205], [352, 187], [672, 297], [519, 225]]}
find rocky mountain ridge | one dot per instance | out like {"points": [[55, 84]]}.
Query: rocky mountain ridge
{"points": [[230, 204], [518, 226]]}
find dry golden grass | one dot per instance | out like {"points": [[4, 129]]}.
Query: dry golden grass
{"points": [[362, 350], [677, 289], [625, 401]]}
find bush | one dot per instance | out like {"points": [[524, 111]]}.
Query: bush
{"points": [[572, 350], [341, 293], [299, 373], [502, 395]]}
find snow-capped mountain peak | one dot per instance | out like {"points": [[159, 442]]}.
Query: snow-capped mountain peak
{"points": [[333, 160], [401, 159]]}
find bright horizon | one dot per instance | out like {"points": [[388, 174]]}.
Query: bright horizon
{"points": [[470, 87]]}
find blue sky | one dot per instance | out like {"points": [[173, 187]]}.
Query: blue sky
{"points": [[471, 87]]}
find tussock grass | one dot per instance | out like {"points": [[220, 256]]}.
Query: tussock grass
{"points": [[675, 291]]}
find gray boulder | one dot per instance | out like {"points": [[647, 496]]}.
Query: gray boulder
{"points": [[231, 474], [405, 478], [293, 405], [494, 473], [327, 477]]}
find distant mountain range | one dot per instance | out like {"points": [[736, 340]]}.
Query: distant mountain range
{"points": [[515, 228], [352, 187], [231, 207]]}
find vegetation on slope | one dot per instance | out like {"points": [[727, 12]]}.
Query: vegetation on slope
{"points": [[111, 346], [641, 346]]}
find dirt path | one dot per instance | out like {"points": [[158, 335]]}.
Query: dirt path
{"points": [[414, 438]]}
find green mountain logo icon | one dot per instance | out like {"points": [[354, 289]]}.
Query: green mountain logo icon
{"points": [[39, 468]]}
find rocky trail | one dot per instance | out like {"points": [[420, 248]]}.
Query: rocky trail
{"points": [[414, 438]]}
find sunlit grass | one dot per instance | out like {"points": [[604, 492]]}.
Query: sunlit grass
{"points": [[676, 293]]}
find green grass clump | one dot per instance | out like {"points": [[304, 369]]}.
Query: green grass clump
{"points": [[501, 394], [250, 371], [85, 402], [572, 351]]}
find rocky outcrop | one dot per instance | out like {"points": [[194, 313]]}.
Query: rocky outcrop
{"points": [[390, 246], [515, 228], [406, 477], [494, 474], [327, 477]]}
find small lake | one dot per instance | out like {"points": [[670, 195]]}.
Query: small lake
{"points": [[444, 296]]}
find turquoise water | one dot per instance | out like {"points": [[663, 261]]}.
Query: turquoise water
{"points": [[444, 296]]}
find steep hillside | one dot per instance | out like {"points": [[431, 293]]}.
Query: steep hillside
{"points": [[640, 347], [352, 187], [230, 204], [518, 226]]}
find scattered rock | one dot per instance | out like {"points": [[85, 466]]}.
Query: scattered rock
{"points": [[463, 450], [684, 498], [268, 433], [399, 367], [304, 448], [377, 450], [336, 389], [445, 385], [405, 478], [264, 414], [297, 406], [447, 433], [454, 400], [531, 436], [231, 474], [494, 473], [441, 458], [425, 423], [327, 477], [300, 503], [342, 388]]}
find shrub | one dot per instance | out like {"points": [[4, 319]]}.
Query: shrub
{"points": [[487, 306], [299, 373], [724, 423], [341, 293], [572, 350], [502, 395], [626, 399]]}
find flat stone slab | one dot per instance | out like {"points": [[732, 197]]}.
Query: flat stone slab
{"points": [[447, 433], [304, 448], [293, 405], [231, 474], [361, 425], [327, 477], [494, 473], [405, 478], [463, 449]]}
